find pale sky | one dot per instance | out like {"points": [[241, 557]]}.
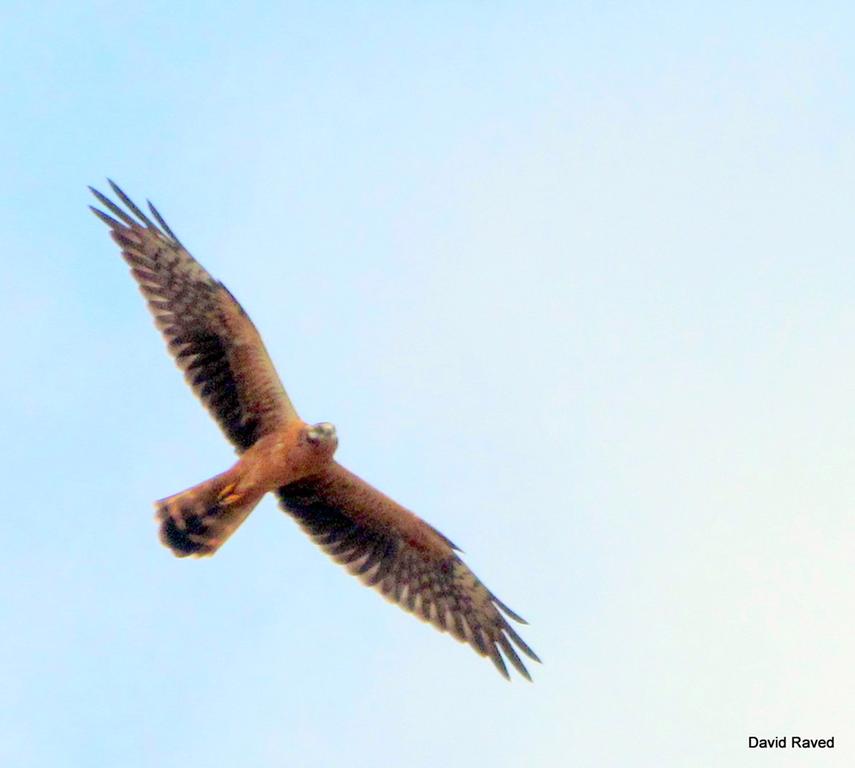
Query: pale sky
{"points": [[575, 283]]}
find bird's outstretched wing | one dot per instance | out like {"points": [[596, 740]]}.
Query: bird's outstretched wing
{"points": [[405, 559], [210, 336]]}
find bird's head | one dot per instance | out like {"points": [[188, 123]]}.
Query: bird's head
{"points": [[322, 436]]}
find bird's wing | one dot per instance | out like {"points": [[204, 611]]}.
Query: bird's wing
{"points": [[405, 559], [211, 338]]}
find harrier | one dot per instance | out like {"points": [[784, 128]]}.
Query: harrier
{"points": [[225, 362]]}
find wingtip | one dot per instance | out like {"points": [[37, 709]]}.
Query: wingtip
{"points": [[507, 611], [491, 651], [97, 194], [131, 205], [161, 221], [108, 220]]}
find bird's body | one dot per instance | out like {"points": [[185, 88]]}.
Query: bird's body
{"points": [[225, 362], [199, 520]]}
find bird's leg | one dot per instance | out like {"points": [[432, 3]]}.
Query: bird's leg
{"points": [[227, 496]]}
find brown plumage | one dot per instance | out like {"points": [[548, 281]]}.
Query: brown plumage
{"points": [[224, 360]]}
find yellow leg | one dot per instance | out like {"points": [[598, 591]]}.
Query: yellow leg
{"points": [[227, 496]]}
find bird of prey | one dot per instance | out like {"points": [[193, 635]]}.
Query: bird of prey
{"points": [[225, 362]]}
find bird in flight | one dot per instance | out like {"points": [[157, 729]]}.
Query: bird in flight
{"points": [[225, 362]]}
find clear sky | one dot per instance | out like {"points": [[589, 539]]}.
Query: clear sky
{"points": [[575, 283]]}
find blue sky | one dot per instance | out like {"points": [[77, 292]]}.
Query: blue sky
{"points": [[573, 280]]}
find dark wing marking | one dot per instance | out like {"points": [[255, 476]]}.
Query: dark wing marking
{"points": [[405, 559], [210, 336]]}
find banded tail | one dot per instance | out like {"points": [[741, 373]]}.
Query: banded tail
{"points": [[198, 521]]}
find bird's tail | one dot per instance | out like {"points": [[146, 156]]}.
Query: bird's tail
{"points": [[199, 520]]}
